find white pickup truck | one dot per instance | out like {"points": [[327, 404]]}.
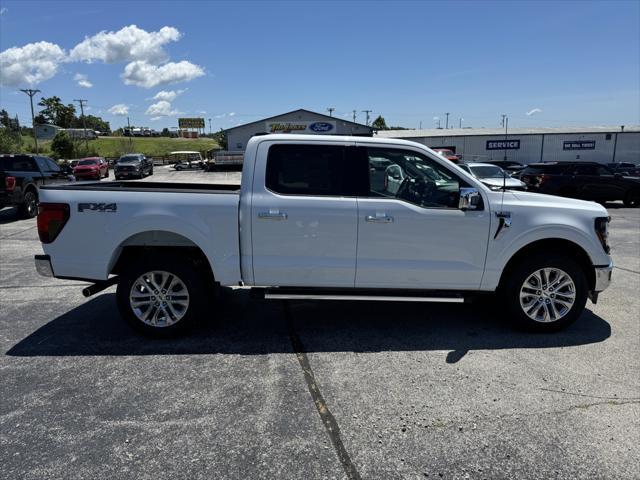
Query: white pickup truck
{"points": [[315, 219]]}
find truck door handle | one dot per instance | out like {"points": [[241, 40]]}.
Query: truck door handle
{"points": [[378, 219], [272, 216]]}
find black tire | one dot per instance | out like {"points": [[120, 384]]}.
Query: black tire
{"points": [[178, 168], [632, 198], [182, 269], [29, 207], [513, 283], [151, 171]]}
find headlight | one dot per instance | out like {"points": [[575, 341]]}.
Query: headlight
{"points": [[602, 231]]}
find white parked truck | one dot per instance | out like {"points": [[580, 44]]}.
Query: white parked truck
{"points": [[312, 220]]}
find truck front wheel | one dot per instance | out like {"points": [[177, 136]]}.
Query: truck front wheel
{"points": [[545, 292], [161, 296]]}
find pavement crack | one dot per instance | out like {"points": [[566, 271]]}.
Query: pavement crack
{"points": [[589, 396], [328, 420], [17, 233], [626, 269]]}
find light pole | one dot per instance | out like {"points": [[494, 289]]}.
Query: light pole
{"points": [[330, 110], [446, 126], [210, 127], [367, 112], [31, 93]]}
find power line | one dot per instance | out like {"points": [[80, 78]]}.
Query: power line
{"points": [[31, 93]]}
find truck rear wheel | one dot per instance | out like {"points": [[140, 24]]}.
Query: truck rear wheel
{"points": [[29, 207], [545, 293], [161, 296]]}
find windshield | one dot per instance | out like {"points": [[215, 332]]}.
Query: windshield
{"points": [[88, 162], [129, 159], [487, 172]]}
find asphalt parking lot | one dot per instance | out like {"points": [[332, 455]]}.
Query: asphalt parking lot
{"points": [[314, 390]]}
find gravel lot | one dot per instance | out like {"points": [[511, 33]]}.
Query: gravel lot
{"points": [[405, 390]]}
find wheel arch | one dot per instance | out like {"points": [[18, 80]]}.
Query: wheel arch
{"points": [[158, 242], [555, 245]]}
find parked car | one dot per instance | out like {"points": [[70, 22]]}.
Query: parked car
{"points": [[584, 180], [21, 176], [625, 168], [493, 176], [93, 168], [305, 224], [508, 165], [448, 154], [133, 165], [186, 160]]}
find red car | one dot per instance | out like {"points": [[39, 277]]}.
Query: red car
{"points": [[448, 154], [91, 168]]}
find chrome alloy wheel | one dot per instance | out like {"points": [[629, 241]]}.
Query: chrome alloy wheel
{"points": [[547, 295], [159, 298]]}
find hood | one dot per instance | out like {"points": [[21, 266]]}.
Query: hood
{"points": [[552, 201], [498, 182]]}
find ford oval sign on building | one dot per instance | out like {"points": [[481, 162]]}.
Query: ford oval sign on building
{"points": [[321, 127]]}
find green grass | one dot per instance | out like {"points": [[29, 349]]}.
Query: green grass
{"points": [[116, 146]]}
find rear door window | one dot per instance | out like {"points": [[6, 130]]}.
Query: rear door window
{"points": [[316, 170]]}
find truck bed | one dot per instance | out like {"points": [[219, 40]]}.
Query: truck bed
{"points": [[133, 186]]}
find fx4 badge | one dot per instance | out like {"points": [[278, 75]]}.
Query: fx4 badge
{"points": [[98, 207]]}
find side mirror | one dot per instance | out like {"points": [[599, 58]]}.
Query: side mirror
{"points": [[469, 199]]}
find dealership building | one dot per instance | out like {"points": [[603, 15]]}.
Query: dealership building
{"points": [[298, 121], [527, 145]]}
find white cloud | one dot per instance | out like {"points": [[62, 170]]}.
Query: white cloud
{"points": [[127, 44], [168, 95], [155, 119], [145, 75], [222, 115], [232, 114], [32, 63], [161, 109], [533, 111], [3, 10], [119, 109], [83, 80]]}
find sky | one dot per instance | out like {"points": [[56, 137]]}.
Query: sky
{"points": [[542, 63]]}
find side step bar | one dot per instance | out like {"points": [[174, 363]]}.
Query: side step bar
{"points": [[347, 294]]}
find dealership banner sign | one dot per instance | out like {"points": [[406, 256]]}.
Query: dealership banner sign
{"points": [[579, 145], [503, 144], [191, 123], [301, 127]]}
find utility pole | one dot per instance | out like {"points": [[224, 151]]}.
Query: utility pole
{"points": [[354, 116], [210, 127], [420, 124], [130, 136], [82, 101], [31, 93], [367, 112], [460, 122], [446, 126], [439, 126], [331, 110], [505, 124]]}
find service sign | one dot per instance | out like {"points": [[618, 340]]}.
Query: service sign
{"points": [[191, 123], [301, 127], [579, 145], [503, 144]]}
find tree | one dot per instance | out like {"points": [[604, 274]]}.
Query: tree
{"points": [[93, 123], [165, 132], [62, 145], [10, 140], [379, 123], [56, 112], [4, 118], [221, 138]]}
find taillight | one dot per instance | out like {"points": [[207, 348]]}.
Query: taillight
{"points": [[10, 183], [52, 218]]}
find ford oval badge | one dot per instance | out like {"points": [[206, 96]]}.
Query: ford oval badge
{"points": [[321, 127]]}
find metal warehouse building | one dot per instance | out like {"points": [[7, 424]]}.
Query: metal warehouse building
{"points": [[298, 121], [527, 145]]}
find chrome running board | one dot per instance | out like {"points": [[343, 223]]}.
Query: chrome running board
{"points": [[377, 298]]}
